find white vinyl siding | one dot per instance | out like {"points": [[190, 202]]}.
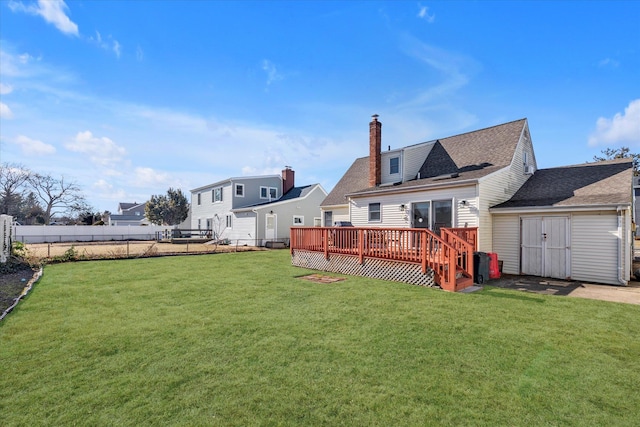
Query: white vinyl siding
{"points": [[413, 158], [393, 215], [338, 213], [386, 177], [506, 242], [595, 247]]}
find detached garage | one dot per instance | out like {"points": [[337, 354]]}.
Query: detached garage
{"points": [[572, 222]]}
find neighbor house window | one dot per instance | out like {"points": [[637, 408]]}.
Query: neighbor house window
{"points": [[199, 198], [199, 222], [298, 220], [394, 165], [328, 218], [228, 221], [317, 221], [240, 190], [374, 212], [217, 194], [270, 193]]}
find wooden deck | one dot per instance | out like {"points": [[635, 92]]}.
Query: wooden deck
{"points": [[449, 256]]}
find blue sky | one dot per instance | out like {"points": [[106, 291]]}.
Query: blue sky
{"points": [[129, 98]]}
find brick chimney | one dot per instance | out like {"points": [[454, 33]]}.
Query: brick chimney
{"points": [[375, 146], [288, 179]]}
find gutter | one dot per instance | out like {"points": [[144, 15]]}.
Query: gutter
{"points": [[575, 208], [620, 248], [412, 189]]}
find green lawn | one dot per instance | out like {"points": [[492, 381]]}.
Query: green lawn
{"points": [[239, 339]]}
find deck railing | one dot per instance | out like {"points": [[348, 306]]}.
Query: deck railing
{"points": [[446, 255]]}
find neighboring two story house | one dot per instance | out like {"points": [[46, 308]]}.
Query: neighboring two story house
{"points": [[129, 214], [257, 209], [477, 179]]}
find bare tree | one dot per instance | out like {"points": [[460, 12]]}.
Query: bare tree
{"points": [[56, 195], [13, 178]]}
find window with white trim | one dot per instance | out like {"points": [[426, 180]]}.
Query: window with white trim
{"points": [[239, 190], [228, 221], [394, 165], [298, 220], [199, 198], [374, 212], [217, 195], [264, 192], [273, 193]]}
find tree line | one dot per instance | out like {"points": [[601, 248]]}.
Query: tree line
{"points": [[36, 199]]}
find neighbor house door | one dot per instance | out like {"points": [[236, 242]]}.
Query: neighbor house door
{"points": [[270, 227], [545, 246]]}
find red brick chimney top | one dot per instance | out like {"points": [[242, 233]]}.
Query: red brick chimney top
{"points": [[375, 146], [288, 179]]}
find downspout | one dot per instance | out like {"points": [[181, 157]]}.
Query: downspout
{"points": [[620, 259]]}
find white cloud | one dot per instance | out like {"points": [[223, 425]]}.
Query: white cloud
{"points": [[455, 70], [5, 89], [33, 146], [622, 128], [608, 62], [53, 11], [272, 72], [101, 151], [117, 48], [423, 13], [5, 111], [148, 177], [139, 54]]}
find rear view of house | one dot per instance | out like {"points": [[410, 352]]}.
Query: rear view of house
{"points": [[485, 186]]}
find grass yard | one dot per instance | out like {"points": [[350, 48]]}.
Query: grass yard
{"points": [[240, 339]]}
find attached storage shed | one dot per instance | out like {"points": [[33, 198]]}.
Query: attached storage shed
{"points": [[572, 222]]}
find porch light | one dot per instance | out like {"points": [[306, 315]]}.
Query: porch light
{"points": [[463, 203], [402, 207]]}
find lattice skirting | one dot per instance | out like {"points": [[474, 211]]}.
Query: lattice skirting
{"points": [[396, 271]]}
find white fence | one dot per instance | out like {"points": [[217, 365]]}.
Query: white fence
{"points": [[85, 233], [5, 234]]}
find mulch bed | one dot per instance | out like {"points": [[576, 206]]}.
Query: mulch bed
{"points": [[14, 277]]}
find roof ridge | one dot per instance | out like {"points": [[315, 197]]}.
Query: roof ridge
{"points": [[480, 130]]}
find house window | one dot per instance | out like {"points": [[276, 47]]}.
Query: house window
{"points": [[217, 195], [199, 222], [199, 200], [240, 190], [270, 193], [228, 221], [374, 212], [317, 222], [298, 220], [328, 218], [394, 165]]}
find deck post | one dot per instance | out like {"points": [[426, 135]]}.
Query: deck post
{"points": [[361, 246], [423, 238], [325, 242]]}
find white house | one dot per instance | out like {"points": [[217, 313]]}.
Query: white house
{"points": [[129, 214], [576, 217], [257, 209]]}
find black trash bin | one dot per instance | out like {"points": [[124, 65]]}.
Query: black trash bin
{"points": [[481, 267]]}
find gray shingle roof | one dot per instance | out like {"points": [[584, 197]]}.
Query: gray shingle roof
{"points": [[355, 179], [469, 156], [294, 193], [588, 184]]}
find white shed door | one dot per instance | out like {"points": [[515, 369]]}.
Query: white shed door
{"points": [[545, 246]]}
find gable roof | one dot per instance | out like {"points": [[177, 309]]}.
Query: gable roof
{"points": [[453, 160], [355, 179], [587, 184], [292, 194]]}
